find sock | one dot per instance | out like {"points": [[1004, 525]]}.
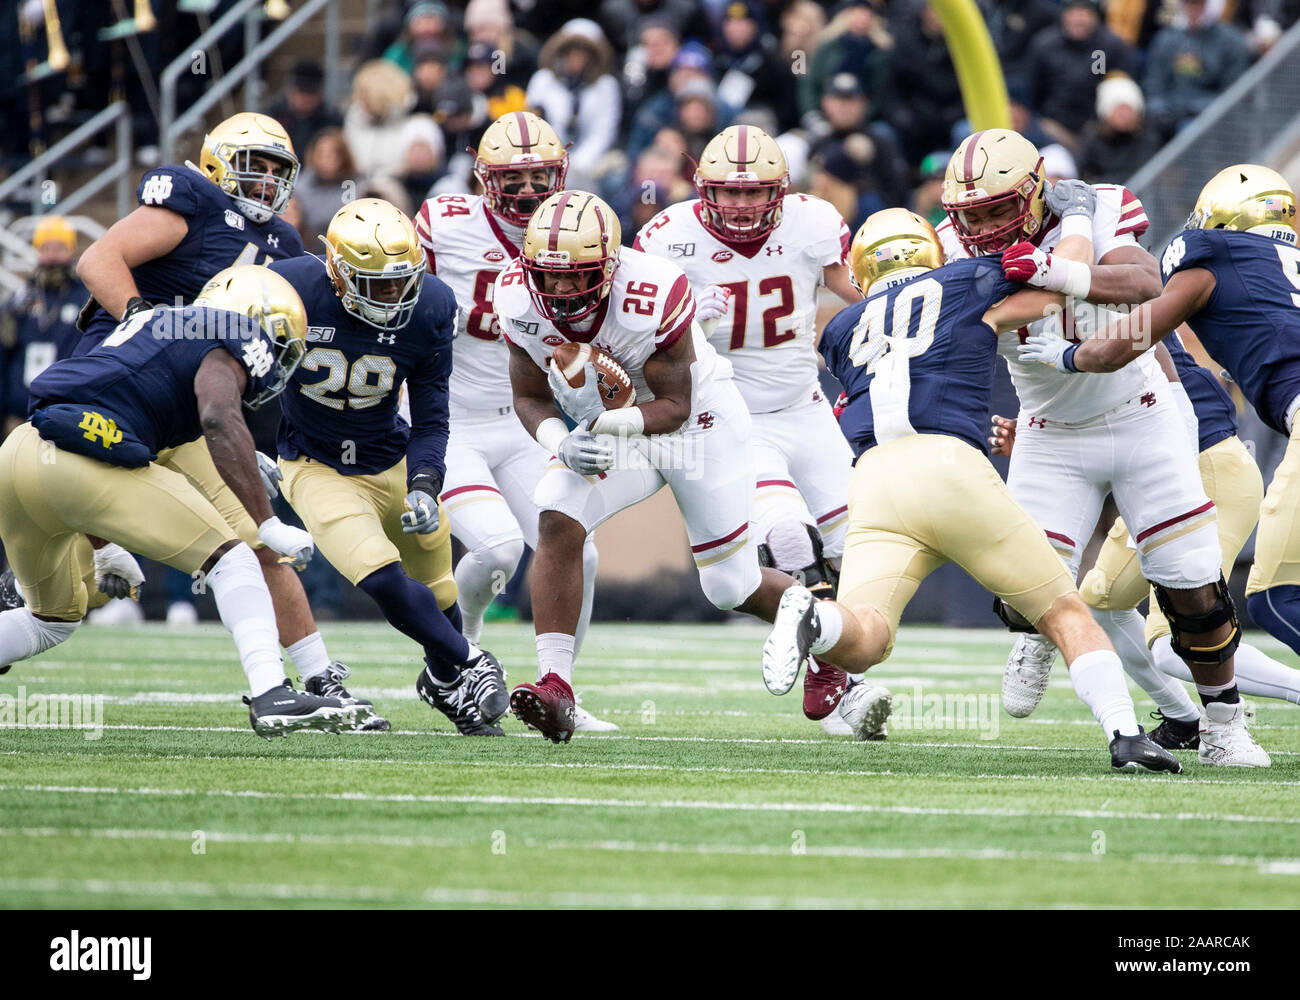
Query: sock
{"points": [[1226, 693], [245, 607], [1257, 673], [1127, 632], [481, 574], [411, 608], [1098, 680], [309, 657], [832, 626], [555, 655], [1277, 609], [590, 562], [22, 634]]}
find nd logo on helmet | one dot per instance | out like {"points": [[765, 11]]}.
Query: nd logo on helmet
{"points": [[96, 426]]}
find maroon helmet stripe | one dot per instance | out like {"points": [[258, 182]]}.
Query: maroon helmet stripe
{"points": [[524, 139], [968, 167], [742, 136], [554, 239]]}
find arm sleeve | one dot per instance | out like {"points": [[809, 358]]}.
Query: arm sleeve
{"points": [[430, 421]]}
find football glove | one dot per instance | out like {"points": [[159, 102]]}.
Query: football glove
{"points": [[712, 303], [294, 544], [422, 518], [117, 574], [1046, 349], [1066, 198], [582, 405], [585, 453], [270, 473]]}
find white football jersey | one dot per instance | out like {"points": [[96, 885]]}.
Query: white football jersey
{"points": [[467, 247], [649, 308], [769, 332], [1044, 392]]}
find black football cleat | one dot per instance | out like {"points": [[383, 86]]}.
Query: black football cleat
{"points": [[329, 684], [9, 596], [1176, 734], [486, 680], [455, 703], [282, 711], [1140, 753]]}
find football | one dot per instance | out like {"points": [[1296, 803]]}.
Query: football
{"points": [[616, 389]]}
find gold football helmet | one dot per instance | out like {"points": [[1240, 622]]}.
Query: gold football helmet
{"points": [[577, 236], [1244, 196], [891, 242], [990, 168], [742, 156], [519, 142], [270, 301], [226, 160], [375, 261]]}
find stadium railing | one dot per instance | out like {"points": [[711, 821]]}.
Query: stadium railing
{"points": [[1250, 122]]}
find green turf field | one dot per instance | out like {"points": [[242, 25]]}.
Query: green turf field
{"points": [[714, 794]]}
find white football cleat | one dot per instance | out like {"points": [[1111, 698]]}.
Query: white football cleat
{"points": [[865, 707], [835, 725], [1024, 681], [585, 722], [787, 645], [1225, 740]]}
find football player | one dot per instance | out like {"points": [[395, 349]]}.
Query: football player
{"points": [[689, 428], [364, 482], [193, 221], [1233, 275], [84, 464], [916, 359], [493, 465], [757, 257], [1078, 440]]}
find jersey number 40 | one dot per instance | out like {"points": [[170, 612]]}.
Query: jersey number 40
{"points": [[878, 334]]}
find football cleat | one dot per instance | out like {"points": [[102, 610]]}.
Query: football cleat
{"points": [[282, 711], [1024, 682], [329, 684], [1176, 734], [585, 722], [1140, 753], [455, 703], [793, 633], [865, 708], [10, 598], [485, 680], [824, 684], [835, 725], [1225, 740], [546, 706]]}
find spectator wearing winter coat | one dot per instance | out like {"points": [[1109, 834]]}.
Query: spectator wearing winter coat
{"points": [[386, 139], [1191, 62], [1115, 146], [845, 112], [923, 100], [854, 42], [1012, 26], [751, 72], [302, 109]]}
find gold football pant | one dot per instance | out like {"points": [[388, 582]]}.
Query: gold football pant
{"points": [[356, 523], [1232, 480], [925, 500], [1277, 546], [50, 499]]}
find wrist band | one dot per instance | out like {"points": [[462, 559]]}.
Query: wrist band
{"points": [[626, 422], [1067, 359], [550, 432]]}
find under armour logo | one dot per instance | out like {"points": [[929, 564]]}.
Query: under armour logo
{"points": [[1037, 422], [391, 339], [1147, 399], [773, 251], [704, 420]]}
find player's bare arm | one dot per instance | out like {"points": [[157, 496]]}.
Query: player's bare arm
{"points": [[219, 387], [534, 402], [146, 234], [1032, 304], [1126, 274], [840, 281], [1133, 335], [668, 374]]}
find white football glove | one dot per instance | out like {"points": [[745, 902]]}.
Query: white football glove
{"points": [[422, 518], [1066, 198], [1049, 350], [270, 473], [117, 574], [585, 453], [293, 543], [582, 405], [712, 303]]}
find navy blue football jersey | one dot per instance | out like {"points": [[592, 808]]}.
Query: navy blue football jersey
{"points": [[40, 328], [1216, 415], [219, 236], [916, 357], [133, 395], [1251, 323], [341, 406]]}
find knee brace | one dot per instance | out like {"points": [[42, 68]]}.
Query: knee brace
{"points": [[818, 575], [1182, 626], [1011, 618]]}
